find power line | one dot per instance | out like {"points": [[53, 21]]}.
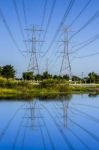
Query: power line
{"points": [[49, 19], [60, 25], [43, 17], [24, 12], [10, 32], [80, 13], [88, 42], [19, 20], [25, 15], [95, 16], [89, 55]]}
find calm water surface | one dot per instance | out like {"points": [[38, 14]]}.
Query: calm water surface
{"points": [[57, 124]]}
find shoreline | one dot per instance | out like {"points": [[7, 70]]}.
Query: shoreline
{"points": [[11, 93], [11, 89]]}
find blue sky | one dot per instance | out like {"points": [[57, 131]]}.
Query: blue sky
{"points": [[34, 11]]}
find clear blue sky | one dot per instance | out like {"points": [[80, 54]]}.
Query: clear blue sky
{"points": [[34, 11]]}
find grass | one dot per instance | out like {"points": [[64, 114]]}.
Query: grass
{"points": [[46, 89]]}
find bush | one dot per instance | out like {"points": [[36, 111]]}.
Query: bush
{"points": [[3, 82]]}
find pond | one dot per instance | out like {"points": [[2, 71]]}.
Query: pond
{"points": [[65, 123]]}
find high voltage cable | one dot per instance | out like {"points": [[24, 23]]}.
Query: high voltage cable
{"points": [[95, 16], [64, 17], [86, 5], [89, 55], [84, 42], [10, 32], [93, 39], [56, 59], [19, 20], [49, 19], [26, 22], [51, 60], [43, 17], [24, 12], [80, 13], [60, 25], [44, 12], [67, 66]]}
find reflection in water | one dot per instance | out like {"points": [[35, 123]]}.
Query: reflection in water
{"points": [[93, 94], [68, 123], [65, 109]]}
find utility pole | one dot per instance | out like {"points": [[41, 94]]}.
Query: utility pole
{"points": [[65, 60], [33, 63]]}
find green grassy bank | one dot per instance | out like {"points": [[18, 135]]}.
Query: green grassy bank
{"points": [[10, 88]]}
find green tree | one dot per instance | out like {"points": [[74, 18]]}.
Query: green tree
{"points": [[92, 77], [58, 77], [76, 78], [0, 71], [28, 75], [38, 77], [8, 71], [46, 75], [66, 77], [55, 77]]}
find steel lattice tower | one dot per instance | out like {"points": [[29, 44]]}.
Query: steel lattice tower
{"points": [[66, 66], [33, 63]]}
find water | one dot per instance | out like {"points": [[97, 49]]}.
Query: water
{"points": [[66, 123]]}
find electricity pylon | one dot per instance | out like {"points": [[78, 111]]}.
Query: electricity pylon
{"points": [[33, 63], [66, 66]]}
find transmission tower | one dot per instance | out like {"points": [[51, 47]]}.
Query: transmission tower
{"points": [[33, 62], [66, 66]]}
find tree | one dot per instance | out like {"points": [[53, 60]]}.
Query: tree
{"points": [[8, 71], [58, 77], [66, 77], [38, 77], [92, 77], [46, 75], [0, 70], [76, 78], [55, 77], [28, 75]]}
